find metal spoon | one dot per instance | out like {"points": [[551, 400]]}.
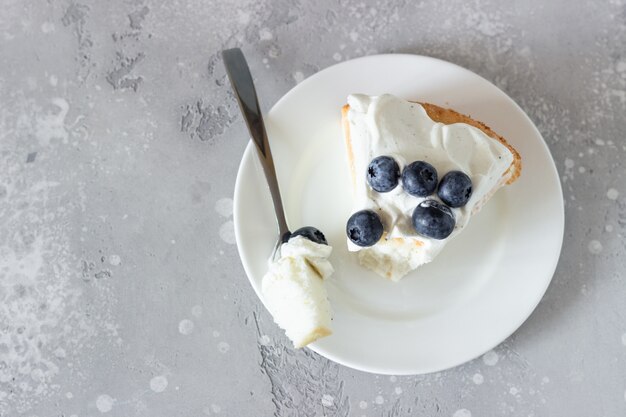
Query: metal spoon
{"points": [[243, 87]]}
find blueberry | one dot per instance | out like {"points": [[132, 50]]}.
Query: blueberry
{"points": [[311, 233], [364, 228], [433, 219], [455, 189], [419, 179], [383, 173]]}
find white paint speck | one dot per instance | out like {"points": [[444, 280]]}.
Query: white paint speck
{"points": [[478, 379], [463, 412], [490, 358], [265, 340], [354, 36], [216, 408], [608, 228], [582, 170], [115, 260], [185, 327], [393, 378], [513, 391], [47, 27], [37, 375], [595, 247], [569, 163], [298, 76], [398, 390], [545, 380], [328, 400], [196, 311], [216, 333], [337, 56], [158, 383], [53, 80], [104, 403], [265, 34], [379, 399], [223, 347], [224, 207], [227, 232], [362, 405], [624, 339], [612, 194], [243, 17], [274, 51], [69, 395]]}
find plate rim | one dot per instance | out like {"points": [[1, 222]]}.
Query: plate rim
{"points": [[531, 306]]}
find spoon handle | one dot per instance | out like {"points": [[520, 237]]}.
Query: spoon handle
{"points": [[241, 81]]}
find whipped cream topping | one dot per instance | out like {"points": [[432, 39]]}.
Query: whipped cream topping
{"points": [[294, 291], [388, 125]]}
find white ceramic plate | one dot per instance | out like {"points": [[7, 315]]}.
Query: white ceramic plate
{"points": [[484, 284]]}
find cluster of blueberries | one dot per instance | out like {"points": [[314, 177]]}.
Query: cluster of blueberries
{"points": [[430, 218]]}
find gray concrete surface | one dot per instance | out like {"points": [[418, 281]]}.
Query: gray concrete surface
{"points": [[121, 291]]}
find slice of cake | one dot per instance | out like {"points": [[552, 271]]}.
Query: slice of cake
{"points": [[419, 172]]}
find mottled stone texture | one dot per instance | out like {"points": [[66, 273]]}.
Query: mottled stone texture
{"points": [[121, 291]]}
